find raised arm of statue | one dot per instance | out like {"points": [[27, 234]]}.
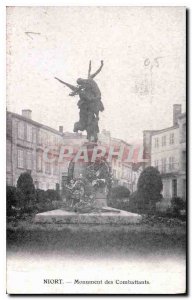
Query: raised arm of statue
{"points": [[72, 87], [97, 72]]}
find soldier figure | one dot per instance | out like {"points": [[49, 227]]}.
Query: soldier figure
{"points": [[90, 104]]}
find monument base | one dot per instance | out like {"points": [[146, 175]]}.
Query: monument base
{"points": [[108, 215]]}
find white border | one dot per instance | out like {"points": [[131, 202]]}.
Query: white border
{"points": [[3, 4]]}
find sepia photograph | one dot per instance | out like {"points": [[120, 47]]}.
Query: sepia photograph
{"points": [[96, 195]]}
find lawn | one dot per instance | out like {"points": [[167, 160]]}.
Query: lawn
{"points": [[153, 235]]}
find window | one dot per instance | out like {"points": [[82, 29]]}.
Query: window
{"points": [[8, 157], [29, 160], [184, 189], [171, 163], [43, 185], [48, 168], [39, 162], [45, 138], [34, 136], [156, 143], [9, 181], [55, 140], [163, 140], [40, 138], [156, 162], [163, 162], [183, 133], [36, 183], [20, 158], [174, 188], [29, 133], [48, 139], [184, 160], [171, 139], [55, 169], [21, 130], [51, 140], [184, 129], [57, 186]]}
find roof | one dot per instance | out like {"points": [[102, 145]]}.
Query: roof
{"points": [[165, 129], [119, 141], [35, 123], [74, 135], [155, 132]]}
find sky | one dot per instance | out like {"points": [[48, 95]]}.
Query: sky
{"points": [[143, 49]]}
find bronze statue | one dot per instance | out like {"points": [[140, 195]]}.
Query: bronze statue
{"points": [[90, 104]]}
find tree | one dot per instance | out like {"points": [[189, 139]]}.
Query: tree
{"points": [[26, 187], [149, 187]]}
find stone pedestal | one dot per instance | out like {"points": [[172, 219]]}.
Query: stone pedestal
{"points": [[101, 198], [107, 215], [96, 176]]}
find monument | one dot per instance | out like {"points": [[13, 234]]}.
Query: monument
{"points": [[87, 193], [89, 104]]}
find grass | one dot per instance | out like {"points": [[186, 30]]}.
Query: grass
{"points": [[143, 239]]}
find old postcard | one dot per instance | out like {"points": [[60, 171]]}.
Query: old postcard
{"points": [[96, 150]]}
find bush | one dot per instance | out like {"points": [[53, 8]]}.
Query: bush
{"points": [[120, 192], [11, 199], [17, 204], [40, 195], [44, 206], [52, 195], [20, 198], [136, 203], [149, 188], [177, 204], [119, 197], [47, 200], [26, 187], [133, 202]]}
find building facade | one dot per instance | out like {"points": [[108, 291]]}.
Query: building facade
{"points": [[124, 173], [168, 155], [26, 143]]}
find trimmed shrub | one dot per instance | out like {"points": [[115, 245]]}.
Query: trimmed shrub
{"points": [[44, 206], [120, 192], [21, 199], [26, 187], [149, 188], [52, 195], [136, 203], [119, 197], [47, 200], [40, 195], [177, 204], [11, 199]]}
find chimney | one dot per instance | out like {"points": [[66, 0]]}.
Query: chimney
{"points": [[61, 129], [26, 113], [176, 113]]}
